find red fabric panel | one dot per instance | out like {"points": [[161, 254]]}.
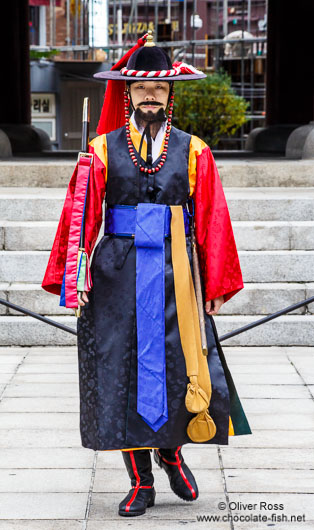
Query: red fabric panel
{"points": [[93, 218], [218, 254]]}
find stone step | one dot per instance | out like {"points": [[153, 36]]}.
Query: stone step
{"points": [[289, 330], [249, 235], [257, 266], [28, 331], [255, 298], [245, 204], [274, 235], [31, 296], [270, 204], [267, 298], [245, 173]]}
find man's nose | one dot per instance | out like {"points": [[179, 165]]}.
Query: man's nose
{"points": [[149, 97]]}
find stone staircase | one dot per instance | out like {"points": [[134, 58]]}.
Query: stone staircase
{"points": [[271, 204]]}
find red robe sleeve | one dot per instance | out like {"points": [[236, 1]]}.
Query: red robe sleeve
{"points": [[53, 277], [217, 250]]}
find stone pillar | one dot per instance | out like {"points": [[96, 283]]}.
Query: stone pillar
{"points": [[290, 73], [15, 112]]}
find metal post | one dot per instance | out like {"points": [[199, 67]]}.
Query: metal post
{"points": [[225, 17], [156, 20], [76, 24], [194, 32], [249, 15], [42, 26], [81, 26], [242, 66], [68, 29], [184, 26], [134, 26], [119, 29], [114, 30], [168, 11], [52, 13], [217, 37]]}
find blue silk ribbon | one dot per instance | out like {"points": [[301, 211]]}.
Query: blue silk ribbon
{"points": [[150, 313]]}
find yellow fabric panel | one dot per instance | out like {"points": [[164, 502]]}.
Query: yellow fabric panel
{"points": [[196, 147], [99, 143], [231, 431], [136, 139]]}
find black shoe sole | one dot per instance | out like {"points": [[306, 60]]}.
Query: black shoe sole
{"points": [[134, 514]]}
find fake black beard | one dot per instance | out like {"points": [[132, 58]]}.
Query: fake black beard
{"points": [[154, 119]]}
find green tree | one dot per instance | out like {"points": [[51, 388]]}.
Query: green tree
{"points": [[209, 108]]}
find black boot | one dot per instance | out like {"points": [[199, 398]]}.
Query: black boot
{"points": [[142, 495], [182, 481]]}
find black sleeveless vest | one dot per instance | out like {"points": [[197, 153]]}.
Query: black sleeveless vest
{"points": [[170, 185]]}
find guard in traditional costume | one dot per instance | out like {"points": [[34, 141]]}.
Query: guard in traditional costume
{"points": [[146, 385]]}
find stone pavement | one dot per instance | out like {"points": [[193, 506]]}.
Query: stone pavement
{"points": [[48, 481]]}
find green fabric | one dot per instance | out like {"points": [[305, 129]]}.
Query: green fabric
{"points": [[81, 278], [238, 417]]}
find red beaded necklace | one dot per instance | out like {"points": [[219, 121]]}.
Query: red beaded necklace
{"points": [[130, 144]]}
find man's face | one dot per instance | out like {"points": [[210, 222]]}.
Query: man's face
{"points": [[149, 97]]}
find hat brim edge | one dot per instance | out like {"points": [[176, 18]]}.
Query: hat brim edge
{"points": [[116, 76]]}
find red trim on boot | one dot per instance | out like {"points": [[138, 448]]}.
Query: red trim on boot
{"points": [[127, 508], [182, 473], [138, 480], [178, 463]]}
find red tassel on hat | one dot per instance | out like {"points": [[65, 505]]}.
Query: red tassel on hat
{"points": [[112, 113]]}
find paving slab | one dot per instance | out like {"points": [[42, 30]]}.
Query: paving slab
{"points": [[196, 457], [292, 504], [45, 524], [44, 404], [209, 481], [270, 458], [42, 505], [269, 480], [44, 480], [286, 421], [165, 524], [273, 391], [40, 438], [104, 506], [39, 420], [48, 368], [46, 378], [258, 379], [278, 438], [277, 406], [46, 458], [42, 390]]}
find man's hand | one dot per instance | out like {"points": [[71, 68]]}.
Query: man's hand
{"points": [[212, 306], [84, 297]]}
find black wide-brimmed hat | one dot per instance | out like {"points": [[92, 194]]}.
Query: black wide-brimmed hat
{"points": [[144, 62], [149, 63]]}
